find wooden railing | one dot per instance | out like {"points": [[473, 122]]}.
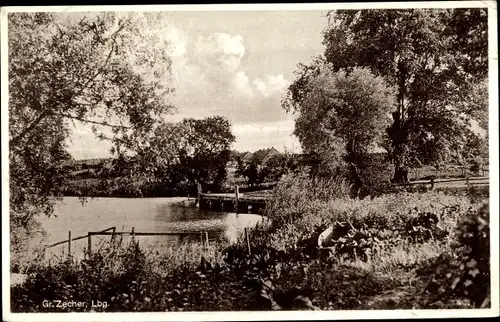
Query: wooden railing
{"points": [[431, 182], [70, 239], [111, 231], [203, 235]]}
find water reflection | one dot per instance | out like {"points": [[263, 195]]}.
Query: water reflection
{"points": [[144, 215]]}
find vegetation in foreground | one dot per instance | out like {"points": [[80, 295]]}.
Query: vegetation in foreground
{"points": [[405, 250]]}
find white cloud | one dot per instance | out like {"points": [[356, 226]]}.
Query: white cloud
{"points": [[177, 41], [241, 81], [279, 127], [210, 79], [253, 136], [211, 67], [271, 85], [220, 50]]}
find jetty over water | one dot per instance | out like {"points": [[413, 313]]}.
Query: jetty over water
{"points": [[233, 202]]}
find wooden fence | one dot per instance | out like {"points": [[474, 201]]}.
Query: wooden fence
{"points": [[111, 231], [432, 182], [70, 239]]}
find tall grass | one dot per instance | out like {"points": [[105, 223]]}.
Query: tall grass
{"points": [[301, 207], [298, 194], [167, 259]]}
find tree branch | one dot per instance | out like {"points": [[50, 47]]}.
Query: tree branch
{"points": [[30, 127], [17, 138], [90, 121], [99, 71]]}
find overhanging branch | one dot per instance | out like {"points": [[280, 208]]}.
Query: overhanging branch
{"points": [[91, 121], [30, 127], [15, 140]]}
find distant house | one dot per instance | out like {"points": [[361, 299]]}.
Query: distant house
{"points": [[270, 153], [247, 158], [261, 156]]}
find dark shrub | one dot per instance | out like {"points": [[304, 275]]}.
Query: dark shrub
{"points": [[477, 166], [374, 175], [465, 273]]}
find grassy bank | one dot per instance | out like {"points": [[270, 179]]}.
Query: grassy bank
{"points": [[404, 250]]}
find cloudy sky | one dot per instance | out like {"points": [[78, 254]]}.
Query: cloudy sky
{"points": [[235, 64]]}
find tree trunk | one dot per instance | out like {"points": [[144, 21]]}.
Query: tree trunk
{"points": [[356, 182], [399, 137], [398, 132], [400, 174]]}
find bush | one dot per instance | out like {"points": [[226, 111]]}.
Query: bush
{"points": [[420, 217], [465, 272], [296, 195], [424, 227], [375, 176], [125, 278], [477, 166], [475, 194], [26, 245]]}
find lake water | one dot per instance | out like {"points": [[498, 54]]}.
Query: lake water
{"points": [[142, 214]]}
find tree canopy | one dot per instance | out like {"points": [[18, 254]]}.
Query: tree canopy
{"points": [[434, 58], [105, 70], [351, 107], [342, 117], [192, 151]]}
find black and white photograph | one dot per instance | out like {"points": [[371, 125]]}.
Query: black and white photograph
{"points": [[248, 162]]}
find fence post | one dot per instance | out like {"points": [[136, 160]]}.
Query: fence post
{"points": [[236, 198], [113, 236], [248, 241], [89, 244], [69, 244], [206, 238], [432, 183]]}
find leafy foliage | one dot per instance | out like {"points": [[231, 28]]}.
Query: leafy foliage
{"points": [[295, 195], [424, 226], [466, 271], [277, 166], [351, 106], [342, 117], [179, 155], [76, 68], [436, 59], [250, 171]]}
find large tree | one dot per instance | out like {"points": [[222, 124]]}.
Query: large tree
{"points": [[106, 71], [435, 58], [189, 152], [342, 116]]}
